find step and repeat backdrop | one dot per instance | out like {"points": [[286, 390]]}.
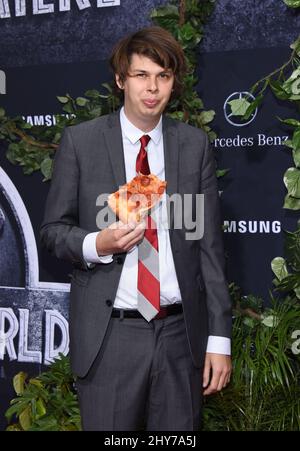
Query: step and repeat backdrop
{"points": [[49, 48]]}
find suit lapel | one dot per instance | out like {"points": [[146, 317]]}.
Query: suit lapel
{"points": [[114, 145], [171, 154]]}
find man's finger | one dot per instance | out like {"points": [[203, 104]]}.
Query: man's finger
{"points": [[123, 229], [222, 381], [134, 238], [213, 386], [206, 373], [116, 225], [228, 378], [131, 238]]}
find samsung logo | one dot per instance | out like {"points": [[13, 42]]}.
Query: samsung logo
{"points": [[44, 119], [252, 226]]}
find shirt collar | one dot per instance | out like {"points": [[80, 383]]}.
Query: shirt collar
{"points": [[134, 134]]}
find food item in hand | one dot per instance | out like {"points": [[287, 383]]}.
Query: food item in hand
{"points": [[134, 200]]}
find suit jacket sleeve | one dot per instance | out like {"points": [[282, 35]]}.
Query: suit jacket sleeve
{"points": [[60, 232], [212, 251]]}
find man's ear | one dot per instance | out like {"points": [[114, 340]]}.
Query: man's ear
{"points": [[119, 82]]}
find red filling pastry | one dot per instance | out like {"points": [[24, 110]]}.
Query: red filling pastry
{"points": [[133, 200]]}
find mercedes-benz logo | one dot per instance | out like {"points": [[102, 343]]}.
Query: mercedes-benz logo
{"points": [[234, 100]]}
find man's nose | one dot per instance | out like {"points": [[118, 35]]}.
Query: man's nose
{"points": [[152, 85]]}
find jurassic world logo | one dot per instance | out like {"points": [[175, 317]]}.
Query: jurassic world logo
{"points": [[33, 324], [21, 8]]}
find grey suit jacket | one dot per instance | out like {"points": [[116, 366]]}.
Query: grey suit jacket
{"points": [[89, 162]]}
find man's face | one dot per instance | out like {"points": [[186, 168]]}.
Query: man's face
{"points": [[147, 89]]}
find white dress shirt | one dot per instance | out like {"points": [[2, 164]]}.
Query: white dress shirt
{"points": [[126, 297]]}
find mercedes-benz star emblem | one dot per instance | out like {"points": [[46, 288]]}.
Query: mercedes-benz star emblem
{"points": [[233, 100]]}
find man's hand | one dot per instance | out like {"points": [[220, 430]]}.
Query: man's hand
{"points": [[119, 237], [217, 372]]}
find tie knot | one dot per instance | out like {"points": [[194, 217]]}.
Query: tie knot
{"points": [[144, 140]]}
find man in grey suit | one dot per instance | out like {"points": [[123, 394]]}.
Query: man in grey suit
{"points": [[150, 313]]}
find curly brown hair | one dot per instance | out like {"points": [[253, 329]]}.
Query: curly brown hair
{"points": [[157, 44]]}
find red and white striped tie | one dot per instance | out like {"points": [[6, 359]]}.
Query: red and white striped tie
{"points": [[148, 286]]}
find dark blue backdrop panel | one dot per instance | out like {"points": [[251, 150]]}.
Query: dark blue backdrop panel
{"points": [[57, 36], [253, 190], [88, 34]]}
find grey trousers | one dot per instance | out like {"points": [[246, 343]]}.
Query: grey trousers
{"points": [[142, 379]]}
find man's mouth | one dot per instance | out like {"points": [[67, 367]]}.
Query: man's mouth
{"points": [[150, 103]]}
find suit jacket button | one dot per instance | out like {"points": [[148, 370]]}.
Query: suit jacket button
{"points": [[120, 260], [108, 302]]}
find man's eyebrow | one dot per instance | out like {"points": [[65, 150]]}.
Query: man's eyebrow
{"points": [[165, 71]]}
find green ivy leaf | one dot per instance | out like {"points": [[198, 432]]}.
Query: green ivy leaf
{"points": [[292, 122], [13, 428], [27, 126], [198, 104], [291, 203], [93, 93], [253, 105], [295, 74], [96, 112], [296, 157], [296, 46], [11, 152], [62, 99], [187, 31], [19, 382], [25, 419], [288, 143], [221, 172], [296, 86], [270, 321], [239, 106], [294, 97], [296, 139], [278, 90], [249, 322], [46, 168], [40, 408], [169, 11], [56, 138], [177, 115], [107, 86], [279, 268], [212, 135], [47, 423], [292, 182], [292, 3], [36, 382], [81, 101], [68, 108], [207, 116]]}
